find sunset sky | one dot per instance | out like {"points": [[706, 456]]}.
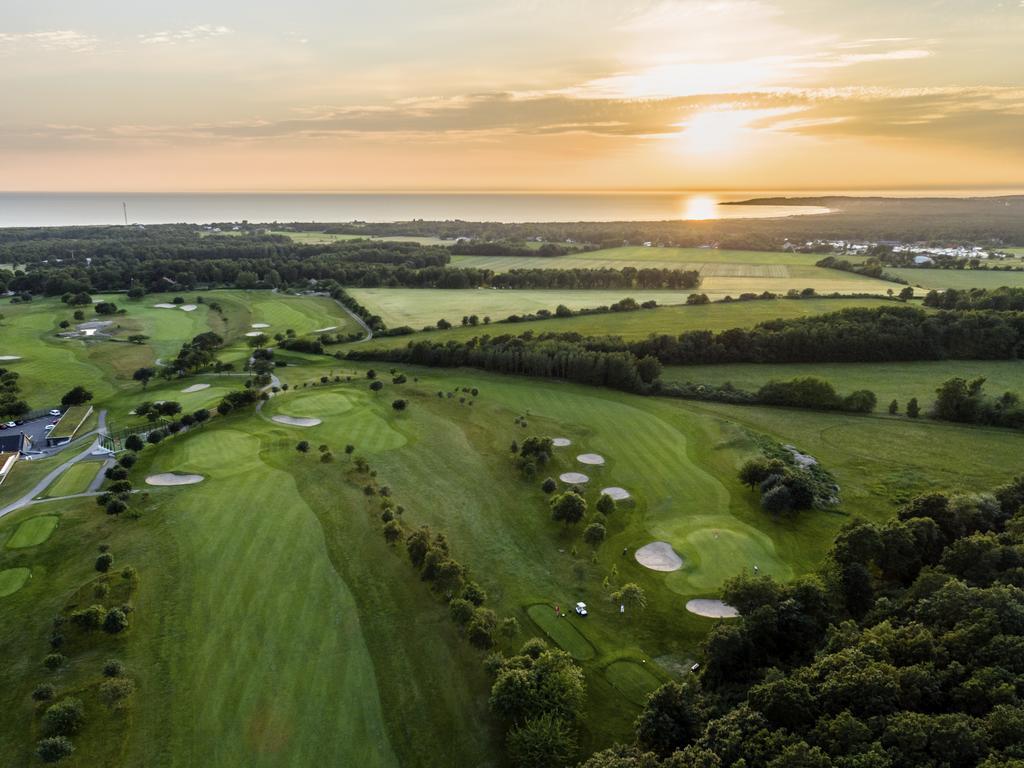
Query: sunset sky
{"points": [[472, 94]]}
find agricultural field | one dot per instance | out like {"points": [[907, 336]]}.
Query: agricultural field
{"points": [[318, 238], [896, 381], [941, 279], [418, 307], [641, 324], [723, 272]]}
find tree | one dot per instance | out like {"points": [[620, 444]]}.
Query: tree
{"points": [[138, 338], [549, 485], [302, 446], [906, 293], [545, 741], [78, 395], [376, 386], [259, 341], [461, 610], [43, 692], [113, 692], [480, 629], [392, 531], [569, 507], [605, 504], [104, 561], [631, 595], [54, 749], [113, 668], [913, 409], [894, 408], [115, 507], [134, 443], [594, 534], [754, 471], [65, 718], [668, 721], [399, 405], [115, 622]]}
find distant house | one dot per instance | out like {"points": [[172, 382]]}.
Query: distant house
{"points": [[924, 260], [15, 443]]}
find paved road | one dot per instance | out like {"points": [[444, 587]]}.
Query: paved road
{"points": [[43, 484], [358, 319]]}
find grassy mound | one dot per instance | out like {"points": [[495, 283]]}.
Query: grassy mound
{"points": [[13, 579], [33, 532], [562, 631]]}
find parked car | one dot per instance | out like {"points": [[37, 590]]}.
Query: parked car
{"points": [[55, 412], [9, 424], [48, 427], [581, 609]]}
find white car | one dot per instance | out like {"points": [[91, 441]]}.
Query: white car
{"points": [[581, 609], [10, 424], [48, 427], [55, 412]]}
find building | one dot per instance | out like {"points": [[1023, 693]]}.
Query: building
{"points": [[17, 442]]}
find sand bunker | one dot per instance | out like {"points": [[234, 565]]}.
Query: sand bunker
{"points": [[296, 421], [590, 458], [260, 325], [170, 478], [616, 493], [188, 307], [712, 609], [561, 442], [8, 358], [322, 330], [166, 306], [255, 333], [575, 478], [196, 388], [659, 556]]}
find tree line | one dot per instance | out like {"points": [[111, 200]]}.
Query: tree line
{"points": [[1003, 299]]}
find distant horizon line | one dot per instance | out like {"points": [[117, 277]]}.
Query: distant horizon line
{"points": [[993, 190]]}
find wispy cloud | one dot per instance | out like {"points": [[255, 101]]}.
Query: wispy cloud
{"points": [[187, 35], [54, 40]]}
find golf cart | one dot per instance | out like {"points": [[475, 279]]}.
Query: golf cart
{"points": [[581, 608]]}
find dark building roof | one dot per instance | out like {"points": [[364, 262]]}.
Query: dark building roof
{"points": [[13, 442]]}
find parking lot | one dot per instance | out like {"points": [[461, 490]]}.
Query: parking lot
{"points": [[35, 429]]}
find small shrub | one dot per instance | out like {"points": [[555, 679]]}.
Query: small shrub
{"points": [[104, 561], [113, 668], [55, 661], [54, 749], [44, 692], [113, 692]]}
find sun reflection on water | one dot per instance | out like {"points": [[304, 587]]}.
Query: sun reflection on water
{"points": [[700, 207]]}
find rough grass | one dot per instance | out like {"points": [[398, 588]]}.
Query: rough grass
{"points": [[638, 257], [317, 238], [33, 532], [893, 381]]}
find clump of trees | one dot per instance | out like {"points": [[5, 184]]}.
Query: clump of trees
{"points": [[539, 694], [533, 455], [966, 402], [11, 404], [786, 485]]}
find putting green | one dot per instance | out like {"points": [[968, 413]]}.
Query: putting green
{"points": [[631, 679], [712, 555], [212, 453], [352, 417], [318, 404], [33, 532], [562, 631], [13, 579]]}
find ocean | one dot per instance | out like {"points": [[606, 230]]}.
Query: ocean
{"points": [[26, 209]]}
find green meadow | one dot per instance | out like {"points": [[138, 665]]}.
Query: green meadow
{"points": [[898, 382], [961, 279]]}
